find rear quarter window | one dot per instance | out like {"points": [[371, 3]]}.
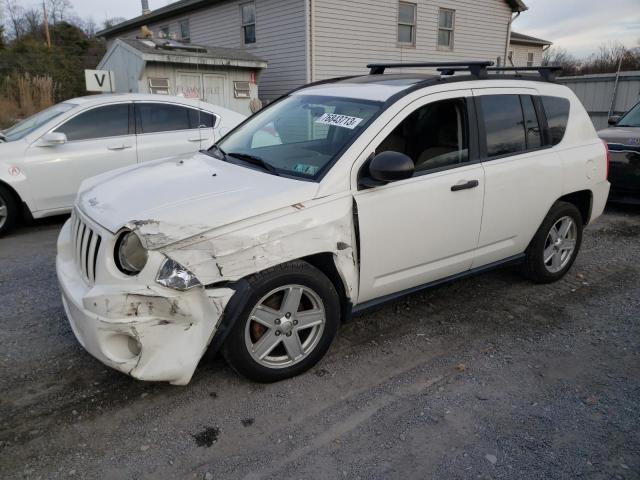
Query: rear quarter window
{"points": [[556, 110]]}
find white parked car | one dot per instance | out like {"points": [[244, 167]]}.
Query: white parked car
{"points": [[336, 198], [44, 158]]}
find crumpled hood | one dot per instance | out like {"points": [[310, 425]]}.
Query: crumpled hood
{"points": [[621, 135], [179, 197]]}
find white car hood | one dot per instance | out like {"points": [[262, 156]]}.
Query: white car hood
{"points": [[176, 198]]}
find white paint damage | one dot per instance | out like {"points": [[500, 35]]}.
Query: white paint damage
{"points": [[223, 223]]}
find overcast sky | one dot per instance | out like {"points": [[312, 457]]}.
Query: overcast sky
{"points": [[577, 25]]}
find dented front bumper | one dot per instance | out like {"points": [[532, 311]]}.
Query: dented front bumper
{"points": [[144, 330]]}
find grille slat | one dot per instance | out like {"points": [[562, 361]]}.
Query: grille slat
{"points": [[86, 244]]}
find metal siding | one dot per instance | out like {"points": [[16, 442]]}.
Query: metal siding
{"points": [[280, 38], [596, 92], [348, 35], [126, 67]]}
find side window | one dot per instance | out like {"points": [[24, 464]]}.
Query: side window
{"points": [[534, 137], [101, 122], [503, 124], [198, 118], [158, 117], [434, 136], [248, 13], [557, 112]]}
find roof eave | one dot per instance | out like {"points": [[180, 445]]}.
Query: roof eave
{"points": [[517, 6]]}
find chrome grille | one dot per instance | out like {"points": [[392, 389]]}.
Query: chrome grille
{"points": [[86, 244]]}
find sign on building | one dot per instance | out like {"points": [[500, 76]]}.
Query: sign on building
{"points": [[99, 81]]}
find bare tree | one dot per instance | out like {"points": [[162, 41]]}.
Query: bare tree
{"points": [[15, 14], [58, 10], [560, 57], [33, 21]]}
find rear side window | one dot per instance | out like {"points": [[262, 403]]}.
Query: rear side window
{"points": [[199, 119], [503, 124], [557, 112], [158, 117], [101, 122]]}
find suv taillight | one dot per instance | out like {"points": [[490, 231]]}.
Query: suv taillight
{"points": [[608, 154]]}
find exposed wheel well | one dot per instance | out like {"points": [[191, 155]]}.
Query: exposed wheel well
{"points": [[324, 262], [583, 200]]}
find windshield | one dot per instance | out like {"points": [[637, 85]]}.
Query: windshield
{"points": [[28, 125], [301, 134], [631, 118]]}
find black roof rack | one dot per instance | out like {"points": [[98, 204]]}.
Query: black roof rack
{"points": [[547, 73], [477, 68]]}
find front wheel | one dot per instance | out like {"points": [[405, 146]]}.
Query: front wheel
{"points": [[286, 326], [555, 245]]}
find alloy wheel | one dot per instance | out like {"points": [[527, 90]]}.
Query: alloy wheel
{"points": [[4, 213], [560, 244], [285, 326]]}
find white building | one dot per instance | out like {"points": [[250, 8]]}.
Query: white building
{"points": [[526, 51], [309, 40], [221, 76]]}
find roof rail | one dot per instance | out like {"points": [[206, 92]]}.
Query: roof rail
{"points": [[548, 73], [477, 68]]}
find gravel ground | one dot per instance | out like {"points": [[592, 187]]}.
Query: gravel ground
{"points": [[490, 377]]}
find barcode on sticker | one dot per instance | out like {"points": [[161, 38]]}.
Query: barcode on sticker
{"points": [[336, 120]]}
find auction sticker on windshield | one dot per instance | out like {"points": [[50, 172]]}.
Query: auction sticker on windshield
{"points": [[336, 120]]}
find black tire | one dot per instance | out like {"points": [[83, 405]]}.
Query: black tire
{"points": [[236, 350], [534, 267], [8, 200]]}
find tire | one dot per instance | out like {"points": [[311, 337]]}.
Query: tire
{"points": [[8, 210], [550, 255], [270, 341]]}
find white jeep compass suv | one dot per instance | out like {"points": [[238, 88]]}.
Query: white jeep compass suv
{"points": [[339, 196]]}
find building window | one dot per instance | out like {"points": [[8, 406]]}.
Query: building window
{"points": [[446, 22], [185, 31], [159, 86], [407, 23], [529, 59], [241, 90], [248, 23], [164, 32]]}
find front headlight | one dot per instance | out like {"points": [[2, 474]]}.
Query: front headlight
{"points": [[174, 275], [130, 255]]}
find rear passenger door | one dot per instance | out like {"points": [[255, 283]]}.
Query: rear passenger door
{"points": [[165, 129], [523, 175]]}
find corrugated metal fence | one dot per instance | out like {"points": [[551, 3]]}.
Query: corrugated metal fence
{"points": [[597, 93]]}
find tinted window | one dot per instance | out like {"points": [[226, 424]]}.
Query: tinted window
{"points": [[101, 122], [434, 136], [534, 137], [198, 118], [504, 124], [158, 117], [557, 112]]}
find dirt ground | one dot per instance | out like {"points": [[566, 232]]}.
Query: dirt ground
{"points": [[490, 377]]}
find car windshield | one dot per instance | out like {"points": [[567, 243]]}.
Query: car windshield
{"points": [[29, 124], [631, 118], [300, 135]]}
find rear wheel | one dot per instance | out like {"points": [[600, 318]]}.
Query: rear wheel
{"points": [[8, 210], [556, 244], [287, 325]]}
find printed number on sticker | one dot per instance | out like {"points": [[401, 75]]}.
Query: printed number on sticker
{"points": [[343, 121]]}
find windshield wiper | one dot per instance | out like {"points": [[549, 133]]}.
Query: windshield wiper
{"points": [[3, 137], [255, 161]]}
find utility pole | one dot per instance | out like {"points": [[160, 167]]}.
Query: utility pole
{"points": [[46, 24]]}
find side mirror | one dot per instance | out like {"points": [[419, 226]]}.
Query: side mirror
{"points": [[391, 166], [53, 138], [614, 119]]}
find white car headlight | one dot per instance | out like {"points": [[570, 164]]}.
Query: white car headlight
{"points": [[130, 254], [174, 275]]}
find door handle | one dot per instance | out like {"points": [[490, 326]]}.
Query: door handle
{"points": [[465, 185], [197, 139], [119, 147]]}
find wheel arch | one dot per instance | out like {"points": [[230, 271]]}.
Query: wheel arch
{"points": [[23, 209], [583, 201]]}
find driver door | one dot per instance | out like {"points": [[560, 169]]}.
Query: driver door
{"points": [[424, 228]]}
